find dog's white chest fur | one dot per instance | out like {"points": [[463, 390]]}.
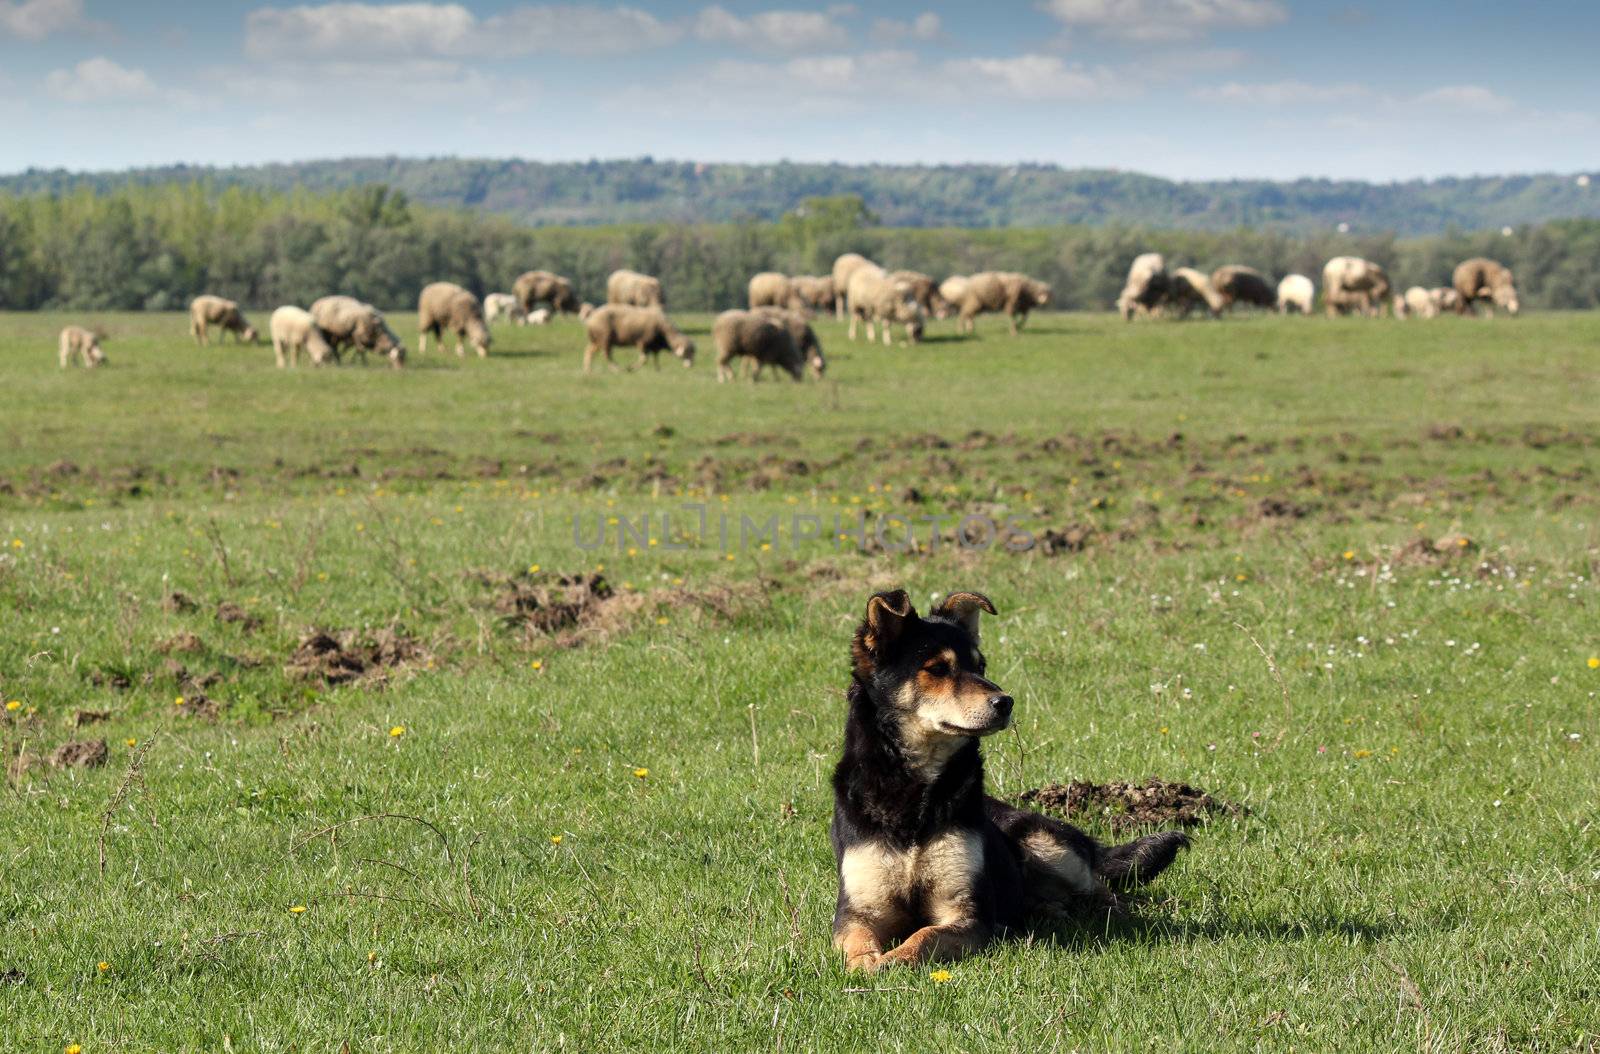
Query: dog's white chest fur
{"points": [[881, 881]]}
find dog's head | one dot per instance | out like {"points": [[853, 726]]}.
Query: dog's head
{"points": [[928, 673]]}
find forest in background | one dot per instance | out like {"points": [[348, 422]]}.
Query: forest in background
{"points": [[155, 247], [587, 193]]}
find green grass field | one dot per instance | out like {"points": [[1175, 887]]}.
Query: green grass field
{"points": [[1341, 573]]}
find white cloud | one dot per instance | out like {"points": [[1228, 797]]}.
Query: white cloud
{"points": [[1036, 78], [37, 19], [99, 80], [1165, 20], [1470, 97], [1282, 93], [772, 30], [366, 31], [926, 26]]}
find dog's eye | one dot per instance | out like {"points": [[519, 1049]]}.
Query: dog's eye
{"points": [[940, 668]]}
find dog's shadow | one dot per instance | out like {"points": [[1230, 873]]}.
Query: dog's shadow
{"points": [[1089, 930]]}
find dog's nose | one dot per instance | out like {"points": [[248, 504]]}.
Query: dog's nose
{"points": [[1001, 704]]}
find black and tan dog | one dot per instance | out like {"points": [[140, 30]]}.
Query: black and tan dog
{"points": [[926, 858]]}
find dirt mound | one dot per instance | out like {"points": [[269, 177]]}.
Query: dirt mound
{"points": [[89, 717], [576, 609], [344, 656], [228, 611], [178, 603], [1073, 538], [80, 754], [1428, 551], [185, 642], [1124, 806]]}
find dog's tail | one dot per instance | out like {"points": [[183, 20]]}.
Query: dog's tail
{"points": [[1141, 860]]}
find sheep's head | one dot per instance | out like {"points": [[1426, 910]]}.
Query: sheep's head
{"points": [[1504, 293], [96, 355], [1040, 291], [249, 335], [683, 347]]}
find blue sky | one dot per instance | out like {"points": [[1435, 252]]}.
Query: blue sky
{"points": [[1182, 88]]}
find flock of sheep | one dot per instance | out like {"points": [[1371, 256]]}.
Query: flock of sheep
{"points": [[1350, 285], [775, 330]]}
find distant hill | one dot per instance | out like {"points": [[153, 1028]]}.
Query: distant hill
{"points": [[598, 192]]}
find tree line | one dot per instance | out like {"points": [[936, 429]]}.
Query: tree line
{"points": [[155, 247], [643, 189]]}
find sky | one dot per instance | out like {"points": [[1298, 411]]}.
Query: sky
{"points": [[1189, 89]]}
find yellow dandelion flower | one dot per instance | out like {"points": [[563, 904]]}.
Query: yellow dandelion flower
{"points": [[640, 773], [729, 556], [662, 621], [1241, 577], [298, 909], [14, 705], [536, 665], [1358, 755], [1349, 554], [555, 839], [1594, 662], [178, 701], [397, 731], [939, 976], [533, 569], [131, 741], [1164, 730], [73, 1048], [372, 957], [102, 966]]}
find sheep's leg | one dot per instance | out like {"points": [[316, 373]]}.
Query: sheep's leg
{"points": [[888, 334], [422, 342], [853, 321]]}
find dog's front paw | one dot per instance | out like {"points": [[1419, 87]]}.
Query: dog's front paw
{"points": [[865, 962]]}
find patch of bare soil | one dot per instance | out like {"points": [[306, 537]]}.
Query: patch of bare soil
{"points": [[346, 656], [1073, 538], [570, 610], [80, 754], [89, 717], [178, 603], [228, 611], [1125, 806], [184, 643], [1430, 551]]}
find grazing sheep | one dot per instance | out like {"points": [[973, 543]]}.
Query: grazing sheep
{"points": [[634, 289], [843, 268], [347, 322], [544, 287], [816, 292], [446, 306], [1006, 292], [771, 289], [207, 310], [1444, 299], [756, 335], [1397, 305], [1235, 284], [805, 338], [1188, 289], [924, 290], [585, 309], [293, 329], [1481, 278], [1145, 288], [84, 343], [874, 297], [540, 316], [1350, 283], [1415, 302], [503, 305], [954, 290], [1296, 293], [646, 328]]}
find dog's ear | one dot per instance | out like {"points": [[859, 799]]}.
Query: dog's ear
{"points": [[888, 615], [963, 608]]}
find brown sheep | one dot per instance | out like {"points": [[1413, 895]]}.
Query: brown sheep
{"points": [[924, 290], [293, 329], [545, 287], [634, 289], [1007, 292], [646, 328], [84, 343], [347, 322], [771, 289], [843, 268], [873, 297], [1481, 278], [1235, 283], [208, 310], [816, 292], [1188, 289], [446, 306], [805, 338], [757, 335]]}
